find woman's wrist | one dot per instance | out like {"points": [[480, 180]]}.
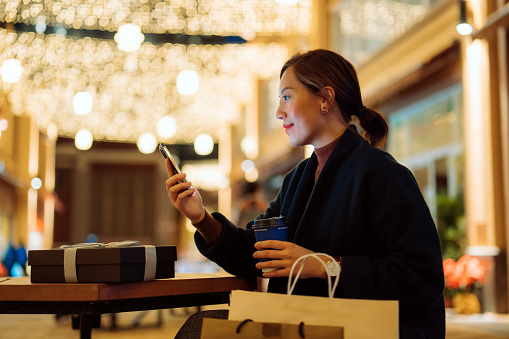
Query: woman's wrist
{"points": [[200, 218], [330, 267], [209, 228]]}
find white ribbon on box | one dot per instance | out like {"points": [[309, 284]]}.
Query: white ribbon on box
{"points": [[70, 258]]}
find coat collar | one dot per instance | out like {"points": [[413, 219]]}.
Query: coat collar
{"points": [[307, 195]]}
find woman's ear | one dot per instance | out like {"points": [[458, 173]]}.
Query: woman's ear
{"points": [[328, 96]]}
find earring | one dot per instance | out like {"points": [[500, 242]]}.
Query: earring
{"points": [[324, 110]]}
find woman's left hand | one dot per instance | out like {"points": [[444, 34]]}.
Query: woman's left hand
{"points": [[285, 254]]}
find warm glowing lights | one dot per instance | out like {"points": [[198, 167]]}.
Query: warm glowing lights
{"points": [[36, 183], [40, 25], [249, 146], [188, 82], [129, 38], [250, 170], [287, 2], [464, 28], [52, 132], [82, 103], [478, 173], [11, 71], [203, 144], [132, 91], [3, 124], [211, 17], [251, 176], [247, 165], [83, 139], [367, 25], [147, 143], [475, 63], [378, 19], [206, 175], [166, 127]]}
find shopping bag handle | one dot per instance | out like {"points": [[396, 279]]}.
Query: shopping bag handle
{"points": [[331, 287], [245, 321]]}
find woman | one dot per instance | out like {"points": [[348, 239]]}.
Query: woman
{"points": [[350, 200]]}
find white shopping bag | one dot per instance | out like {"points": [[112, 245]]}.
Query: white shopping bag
{"points": [[360, 318]]}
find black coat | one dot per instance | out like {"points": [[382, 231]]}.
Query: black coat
{"points": [[368, 209]]}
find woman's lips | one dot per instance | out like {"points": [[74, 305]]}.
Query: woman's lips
{"points": [[287, 127]]}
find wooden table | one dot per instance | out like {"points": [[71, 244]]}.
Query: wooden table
{"points": [[89, 300]]}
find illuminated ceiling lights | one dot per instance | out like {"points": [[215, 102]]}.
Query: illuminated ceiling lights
{"points": [[366, 24], [83, 139], [136, 86], [287, 2], [132, 91], [188, 82], [203, 144], [147, 143], [193, 17], [166, 127], [11, 71], [378, 19], [129, 38], [82, 103], [463, 28]]}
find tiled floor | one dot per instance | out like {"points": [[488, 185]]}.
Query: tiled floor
{"points": [[481, 326]]}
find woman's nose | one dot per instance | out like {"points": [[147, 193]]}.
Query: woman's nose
{"points": [[280, 113]]}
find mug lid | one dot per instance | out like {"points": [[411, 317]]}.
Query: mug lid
{"points": [[275, 221]]}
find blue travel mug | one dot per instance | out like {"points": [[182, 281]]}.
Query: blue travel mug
{"points": [[271, 229]]}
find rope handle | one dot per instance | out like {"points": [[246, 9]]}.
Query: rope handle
{"points": [[245, 321], [331, 287]]}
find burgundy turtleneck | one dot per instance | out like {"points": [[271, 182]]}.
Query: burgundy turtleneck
{"points": [[322, 154]]}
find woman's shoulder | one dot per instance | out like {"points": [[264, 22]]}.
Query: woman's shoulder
{"points": [[374, 160]]}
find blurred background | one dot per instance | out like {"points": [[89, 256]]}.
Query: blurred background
{"points": [[88, 88]]}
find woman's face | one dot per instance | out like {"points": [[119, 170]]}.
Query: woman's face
{"points": [[299, 110]]}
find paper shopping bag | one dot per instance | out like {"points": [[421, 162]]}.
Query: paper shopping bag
{"points": [[360, 318], [247, 329]]}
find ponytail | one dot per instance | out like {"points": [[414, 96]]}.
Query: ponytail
{"points": [[374, 125]]}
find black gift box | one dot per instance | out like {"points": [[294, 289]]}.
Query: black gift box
{"points": [[101, 265]]}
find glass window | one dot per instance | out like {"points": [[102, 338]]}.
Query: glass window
{"points": [[427, 138]]}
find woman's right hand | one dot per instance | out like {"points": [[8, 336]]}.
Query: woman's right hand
{"points": [[184, 196]]}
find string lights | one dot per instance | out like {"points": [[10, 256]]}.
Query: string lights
{"points": [[368, 25], [133, 91], [192, 17]]}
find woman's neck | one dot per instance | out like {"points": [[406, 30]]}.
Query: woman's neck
{"points": [[323, 153], [332, 131]]}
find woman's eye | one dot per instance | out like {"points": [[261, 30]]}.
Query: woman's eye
{"points": [[286, 97]]}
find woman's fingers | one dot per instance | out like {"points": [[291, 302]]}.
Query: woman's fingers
{"points": [[284, 255], [269, 254], [274, 244], [174, 179]]}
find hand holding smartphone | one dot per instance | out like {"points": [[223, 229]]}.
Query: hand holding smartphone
{"points": [[193, 207], [166, 153]]}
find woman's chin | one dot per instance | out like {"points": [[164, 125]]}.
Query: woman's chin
{"points": [[295, 143]]}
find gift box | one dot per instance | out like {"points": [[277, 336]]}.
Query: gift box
{"points": [[102, 264]]}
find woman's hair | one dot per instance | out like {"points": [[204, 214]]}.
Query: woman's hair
{"points": [[319, 68]]}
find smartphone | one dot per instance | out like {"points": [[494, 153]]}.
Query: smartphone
{"points": [[166, 153]]}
